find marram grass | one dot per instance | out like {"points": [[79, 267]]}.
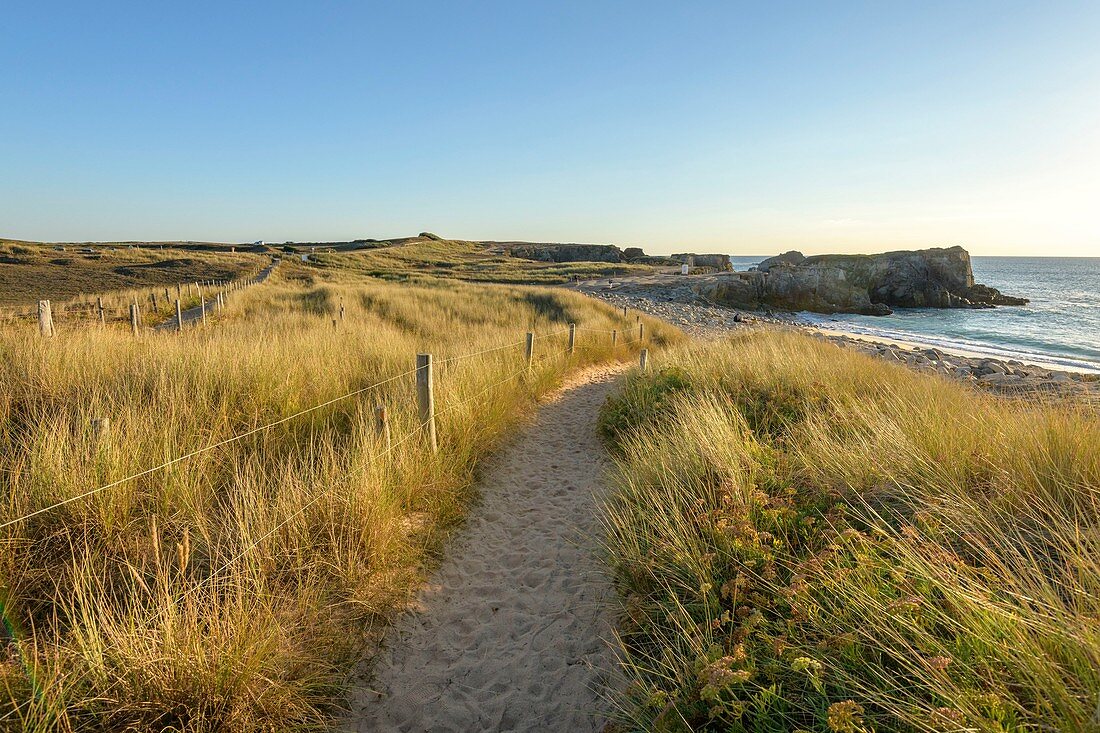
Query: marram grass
{"points": [[235, 590], [809, 539]]}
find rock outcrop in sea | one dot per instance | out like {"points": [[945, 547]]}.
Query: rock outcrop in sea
{"points": [[866, 284]]}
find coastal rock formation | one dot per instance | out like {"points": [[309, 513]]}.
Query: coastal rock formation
{"points": [[678, 305], [793, 257], [713, 262], [866, 284], [545, 252], [568, 252]]}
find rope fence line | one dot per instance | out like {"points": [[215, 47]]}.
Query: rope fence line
{"points": [[424, 427], [425, 398], [200, 451], [347, 477], [494, 385], [555, 333], [510, 345], [116, 310]]}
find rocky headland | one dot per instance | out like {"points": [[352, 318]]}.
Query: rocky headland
{"points": [[865, 284]]}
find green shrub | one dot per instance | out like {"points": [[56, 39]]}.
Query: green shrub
{"points": [[643, 400]]}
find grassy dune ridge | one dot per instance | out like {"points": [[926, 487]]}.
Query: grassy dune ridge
{"points": [[233, 590], [72, 278], [808, 539], [472, 261]]}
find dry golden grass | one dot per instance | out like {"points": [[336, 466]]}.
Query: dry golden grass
{"points": [[30, 272], [811, 539], [232, 591], [472, 261]]}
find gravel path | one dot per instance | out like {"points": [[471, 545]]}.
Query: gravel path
{"points": [[511, 632]]}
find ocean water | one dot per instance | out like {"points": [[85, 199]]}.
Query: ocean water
{"points": [[1060, 327]]}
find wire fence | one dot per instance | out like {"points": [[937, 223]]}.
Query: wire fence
{"points": [[425, 407], [414, 432], [181, 302], [427, 415]]}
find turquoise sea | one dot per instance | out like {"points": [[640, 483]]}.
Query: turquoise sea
{"points": [[1059, 328]]}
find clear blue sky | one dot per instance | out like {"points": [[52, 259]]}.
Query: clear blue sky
{"points": [[737, 127]]}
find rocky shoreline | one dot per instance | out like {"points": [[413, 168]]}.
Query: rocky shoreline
{"points": [[1008, 376], [679, 305]]}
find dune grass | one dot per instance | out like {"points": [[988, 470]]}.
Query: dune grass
{"points": [[461, 260], [234, 590], [809, 539], [30, 272]]}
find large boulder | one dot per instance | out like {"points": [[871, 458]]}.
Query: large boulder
{"points": [[818, 288], [868, 284], [927, 278]]}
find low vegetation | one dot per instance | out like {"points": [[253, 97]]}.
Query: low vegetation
{"points": [[432, 256], [234, 590], [809, 539], [30, 272]]}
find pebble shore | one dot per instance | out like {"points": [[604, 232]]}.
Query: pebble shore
{"points": [[679, 305]]}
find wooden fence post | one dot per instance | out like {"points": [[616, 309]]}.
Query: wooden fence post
{"points": [[614, 337], [45, 318], [179, 291], [529, 349], [166, 299], [425, 393], [643, 359], [382, 425], [624, 311], [179, 315], [134, 318], [572, 337], [202, 302], [102, 315], [153, 297], [641, 331]]}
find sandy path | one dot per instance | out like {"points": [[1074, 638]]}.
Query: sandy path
{"points": [[193, 315], [510, 633]]}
